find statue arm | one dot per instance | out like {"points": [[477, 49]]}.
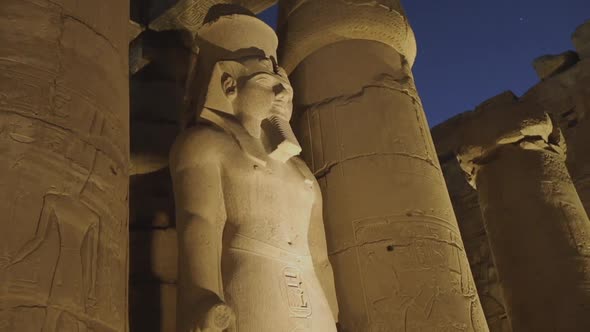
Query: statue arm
{"points": [[319, 252], [200, 215], [47, 216]]}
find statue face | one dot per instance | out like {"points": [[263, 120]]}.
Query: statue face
{"points": [[263, 93]]}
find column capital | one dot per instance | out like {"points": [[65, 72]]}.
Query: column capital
{"points": [[501, 121], [307, 26], [189, 15]]}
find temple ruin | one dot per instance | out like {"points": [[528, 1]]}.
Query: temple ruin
{"points": [[177, 165]]}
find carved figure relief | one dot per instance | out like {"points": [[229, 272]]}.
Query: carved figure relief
{"points": [[296, 294], [72, 230]]}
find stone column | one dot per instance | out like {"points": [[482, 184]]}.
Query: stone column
{"points": [[64, 146], [398, 259], [538, 230], [564, 91]]}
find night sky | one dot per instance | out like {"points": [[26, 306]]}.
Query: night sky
{"points": [[471, 50]]}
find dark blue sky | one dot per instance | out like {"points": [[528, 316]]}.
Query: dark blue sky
{"points": [[471, 50]]}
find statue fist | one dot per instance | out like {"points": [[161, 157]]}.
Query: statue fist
{"points": [[218, 318]]}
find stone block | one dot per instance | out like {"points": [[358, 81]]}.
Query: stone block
{"points": [[581, 40], [134, 30], [549, 65]]}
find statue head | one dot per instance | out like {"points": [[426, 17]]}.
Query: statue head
{"points": [[246, 82], [252, 90]]}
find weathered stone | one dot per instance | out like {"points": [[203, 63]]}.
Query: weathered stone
{"points": [[314, 24], [466, 207], [567, 97], [134, 30], [500, 120], [64, 142], [581, 40], [549, 65], [137, 58], [365, 136], [528, 200], [190, 15]]}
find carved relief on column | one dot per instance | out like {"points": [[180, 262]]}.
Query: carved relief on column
{"points": [[63, 166], [538, 230], [190, 15], [398, 258]]}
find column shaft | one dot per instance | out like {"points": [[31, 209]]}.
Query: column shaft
{"points": [[399, 262], [64, 144], [539, 235]]}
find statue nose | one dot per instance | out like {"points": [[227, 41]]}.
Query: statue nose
{"points": [[281, 93]]}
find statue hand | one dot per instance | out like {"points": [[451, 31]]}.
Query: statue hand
{"points": [[218, 318]]}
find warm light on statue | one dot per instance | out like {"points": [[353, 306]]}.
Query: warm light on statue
{"points": [[252, 252]]}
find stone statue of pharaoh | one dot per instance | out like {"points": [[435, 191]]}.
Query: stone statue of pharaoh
{"points": [[252, 251]]}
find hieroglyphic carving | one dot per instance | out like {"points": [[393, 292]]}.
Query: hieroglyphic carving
{"points": [[296, 294], [74, 229], [410, 248], [189, 15], [315, 24]]}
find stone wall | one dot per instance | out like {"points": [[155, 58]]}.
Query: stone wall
{"points": [[564, 93]]}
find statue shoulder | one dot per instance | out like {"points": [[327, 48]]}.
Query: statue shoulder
{"points": [[308, 174], [199, 145]]}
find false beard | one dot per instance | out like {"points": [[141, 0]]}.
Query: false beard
{"points": [[283, 143]]}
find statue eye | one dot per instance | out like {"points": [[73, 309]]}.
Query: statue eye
{"points": [[265, 81]]}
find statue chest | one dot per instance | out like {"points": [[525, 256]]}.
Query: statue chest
{"points": [[271, 204]]}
